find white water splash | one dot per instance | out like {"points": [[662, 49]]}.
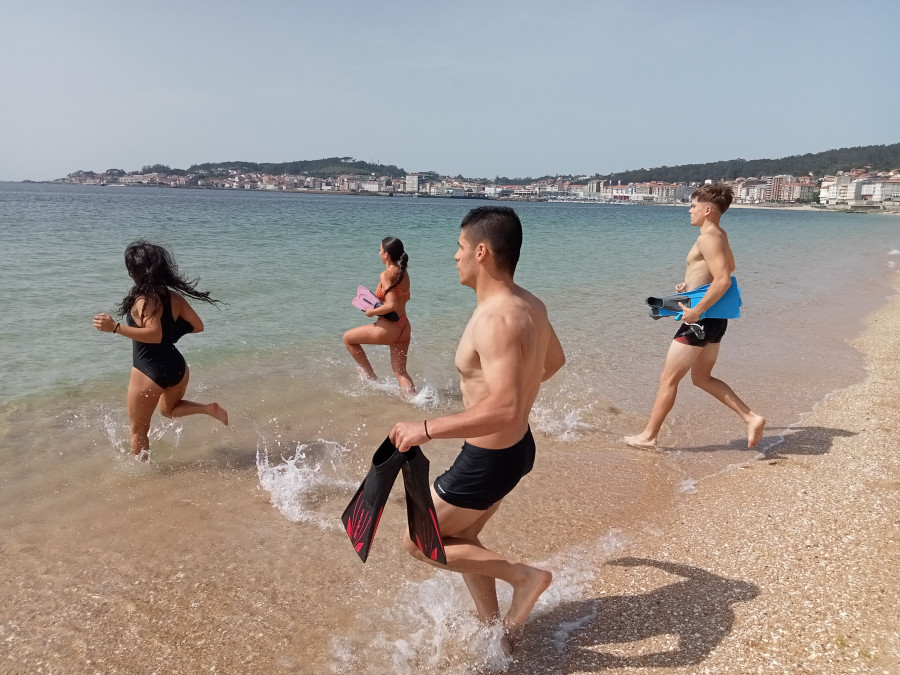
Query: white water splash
{"points": [[110, 429], [439, 634], [427, 398], [438, 628], [292, 482], [562, 424]]}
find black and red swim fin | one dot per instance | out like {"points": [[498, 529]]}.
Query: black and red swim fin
{"points": [[420, 514], [363, 513]]}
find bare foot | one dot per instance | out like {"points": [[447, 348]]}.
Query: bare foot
{"points": [[142, 456], [506, 644], [366, 375], [524, 597], [639, 442], [755, 430], [219, 413]]}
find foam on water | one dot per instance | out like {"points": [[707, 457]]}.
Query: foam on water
{"points": [[293, 482], [439, 630], [688, 486], [112, 420], [427, 397], [110, 427], [560, 420]]}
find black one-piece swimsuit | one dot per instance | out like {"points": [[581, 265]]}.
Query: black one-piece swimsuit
{"points": [[162, 362]]}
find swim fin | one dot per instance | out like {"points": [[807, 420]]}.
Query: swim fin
{"points": [[420, 514], [667, 303], [363, 513], [366, 299]]}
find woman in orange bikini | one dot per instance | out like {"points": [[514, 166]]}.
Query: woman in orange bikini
{"points": [[391, 327]]}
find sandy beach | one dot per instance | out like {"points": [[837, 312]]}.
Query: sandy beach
{"points": [[890, 211], [787, 564]]}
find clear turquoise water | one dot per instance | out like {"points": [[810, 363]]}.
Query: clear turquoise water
{"points": [[286, 266], [303, 426]]}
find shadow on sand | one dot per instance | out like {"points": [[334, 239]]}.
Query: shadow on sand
{"points": [[790, 441], [678, 624]]}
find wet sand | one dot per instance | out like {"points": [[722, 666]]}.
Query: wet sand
{"points": [[783, 565], [787, 564]]}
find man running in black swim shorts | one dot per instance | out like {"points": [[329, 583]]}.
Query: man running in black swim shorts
{"points": [[704, 332], [506, 351], [696, 344], [480, 477]]}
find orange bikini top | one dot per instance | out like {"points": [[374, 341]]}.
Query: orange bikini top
{"points": [[379, 293]]}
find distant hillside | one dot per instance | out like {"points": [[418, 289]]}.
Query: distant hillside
{"points": [[321, 168], [878, 157]]}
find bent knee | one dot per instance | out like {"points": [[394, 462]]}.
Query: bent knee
{"points": [[701, 381], [166, 411]]}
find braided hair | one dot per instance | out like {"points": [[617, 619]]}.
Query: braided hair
{"points": [[394, 248]]}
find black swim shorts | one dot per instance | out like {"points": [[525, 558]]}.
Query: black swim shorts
{"points": [[481, 477], [713, 330]]}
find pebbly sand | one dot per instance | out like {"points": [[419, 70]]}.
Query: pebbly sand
{"points": [[787, 564]]}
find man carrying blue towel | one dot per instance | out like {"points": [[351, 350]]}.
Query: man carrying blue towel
{"points": [[695, 347]]}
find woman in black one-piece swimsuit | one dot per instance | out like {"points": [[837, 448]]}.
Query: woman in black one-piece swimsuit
{"points": [[156, 316]]}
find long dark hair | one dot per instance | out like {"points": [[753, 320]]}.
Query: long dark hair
{"points": [[153, 269], [394, 248]]}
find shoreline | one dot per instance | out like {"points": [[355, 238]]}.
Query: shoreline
{"points": [[480, 197], [785, 564]]}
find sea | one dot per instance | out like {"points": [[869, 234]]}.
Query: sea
{"points": [[225, 552]]}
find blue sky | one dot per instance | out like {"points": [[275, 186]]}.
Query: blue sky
{"points": [[477, 88]]}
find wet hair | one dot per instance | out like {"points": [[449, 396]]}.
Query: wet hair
{"points": [[500, 228], [153, 268], [394, 248], [717, 194]]}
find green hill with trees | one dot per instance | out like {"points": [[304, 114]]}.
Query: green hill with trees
{"points": [[320, 168], [876, 157]]}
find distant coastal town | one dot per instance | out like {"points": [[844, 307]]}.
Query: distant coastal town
{"points": [[856, 190]]}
